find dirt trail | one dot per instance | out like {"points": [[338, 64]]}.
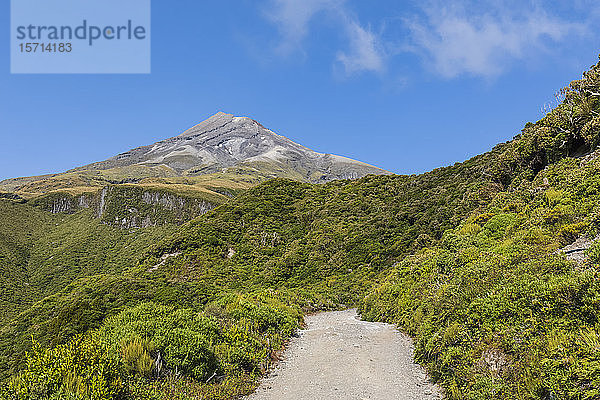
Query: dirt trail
{"points": [[340, 357]]}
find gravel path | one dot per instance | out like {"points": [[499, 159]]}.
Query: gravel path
{"points": [[340, 357]]}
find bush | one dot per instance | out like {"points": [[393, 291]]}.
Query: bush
{"points": [[82, 369], [138, 351], [136, 357], [569, 233]]}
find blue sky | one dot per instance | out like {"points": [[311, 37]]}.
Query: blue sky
{"points": [[407, 86]]}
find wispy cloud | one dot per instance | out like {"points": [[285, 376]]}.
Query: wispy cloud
{"points": [[482, 38], [454, 42], [293, 17], [366, 52]]}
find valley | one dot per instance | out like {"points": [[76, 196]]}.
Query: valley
{"points": [[179, 270]]}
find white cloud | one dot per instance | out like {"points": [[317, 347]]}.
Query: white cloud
{"points": [[454, 42], [469, 37], [366, 53], [293, 18]]}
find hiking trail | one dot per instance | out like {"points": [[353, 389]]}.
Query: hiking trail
{"points": [[338, 356]]}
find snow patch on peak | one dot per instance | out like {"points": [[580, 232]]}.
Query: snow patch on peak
{"points": [[240, 120]]}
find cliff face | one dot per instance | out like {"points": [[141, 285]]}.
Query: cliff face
{"points": [[128, 206]]}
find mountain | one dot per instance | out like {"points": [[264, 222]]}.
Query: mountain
{"points": [[492, 266], [224, 141], [223, 147]]}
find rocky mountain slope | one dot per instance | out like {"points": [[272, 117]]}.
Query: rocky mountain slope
{"points": [[224, 141], [223, 147]]}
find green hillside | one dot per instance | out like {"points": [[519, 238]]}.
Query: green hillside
{"points": [[21, 226], [466, 259], [77, 182], [496, 310]]}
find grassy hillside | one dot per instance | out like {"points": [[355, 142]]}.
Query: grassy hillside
{"points": [[325, 242], [226, 183], [497, 310], [466, 259], [21, 226], [328, 236]]}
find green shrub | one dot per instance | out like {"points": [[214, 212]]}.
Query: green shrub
{"points": [[138, 351], [553, 197], [481, 219], [569, 233], [83, 368], [135, 354], [594, 252], [470, 229], [498, 225]]}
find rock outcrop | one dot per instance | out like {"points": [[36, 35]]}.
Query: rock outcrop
{"points": [[577, 250], [128, 206]]}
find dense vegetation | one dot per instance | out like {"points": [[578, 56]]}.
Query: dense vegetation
{"points": [[331, 237], [465, 258], [142, 352], [43, 253], [496, 310], [20, 225], [282, 234]]}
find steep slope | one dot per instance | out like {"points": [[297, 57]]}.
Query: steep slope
{"points": [[21, 226], [48, 241], [41, 252], [500, 307], [332, 236], [223, 148]]}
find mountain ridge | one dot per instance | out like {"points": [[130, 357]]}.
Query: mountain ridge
{"points": [[222, 144], [221, 133]]}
